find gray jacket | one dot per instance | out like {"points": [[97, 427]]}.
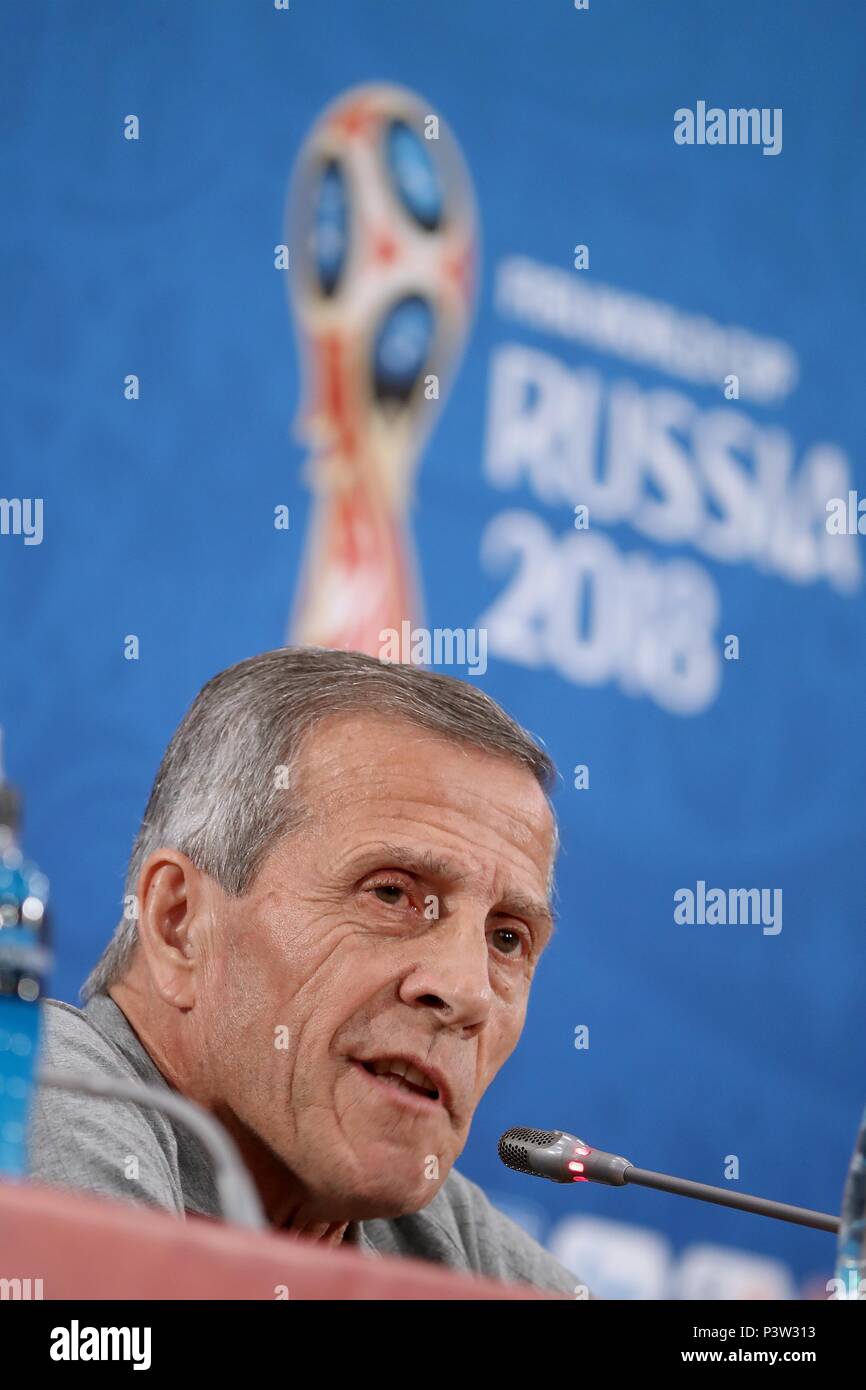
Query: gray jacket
{"points": [[82, 1142]]}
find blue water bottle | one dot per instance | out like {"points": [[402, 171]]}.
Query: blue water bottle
{"points": [[24, 965]]}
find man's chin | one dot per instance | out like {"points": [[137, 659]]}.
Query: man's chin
{"points": [[379, 1196]]}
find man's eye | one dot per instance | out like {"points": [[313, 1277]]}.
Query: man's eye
{"points": [[388, 893], [507, 941]]}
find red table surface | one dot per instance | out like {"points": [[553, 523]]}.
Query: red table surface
{"points": [[84, 1247]]}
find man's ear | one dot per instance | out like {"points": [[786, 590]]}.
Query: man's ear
{"points": [[174, 913]]}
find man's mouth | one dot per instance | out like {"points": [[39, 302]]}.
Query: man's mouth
{"points": [[406, 1077]]}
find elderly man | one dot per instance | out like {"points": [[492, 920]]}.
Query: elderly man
{"points": [[335, 907]]}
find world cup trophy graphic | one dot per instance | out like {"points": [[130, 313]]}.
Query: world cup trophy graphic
{"points": [[381, 231]]}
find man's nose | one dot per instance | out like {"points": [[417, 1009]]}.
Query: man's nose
{"points": [[452, 975]]}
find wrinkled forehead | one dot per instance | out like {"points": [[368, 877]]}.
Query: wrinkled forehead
{"points": [[361, 772]]}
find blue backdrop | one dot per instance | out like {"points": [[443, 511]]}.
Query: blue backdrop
{"points": [[706, 520]]}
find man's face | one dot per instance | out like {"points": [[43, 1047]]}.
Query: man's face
{"points": [[400, 926]]}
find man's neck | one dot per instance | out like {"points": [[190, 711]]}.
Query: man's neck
{"points": [[285, 1206]]}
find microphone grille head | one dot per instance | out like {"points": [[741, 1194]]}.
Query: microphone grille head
{"points": [[512, 1146]]}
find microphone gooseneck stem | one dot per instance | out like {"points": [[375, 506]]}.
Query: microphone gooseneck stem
{"points": [[761, 1206]]}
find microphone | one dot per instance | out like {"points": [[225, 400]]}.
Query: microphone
{"points": [[239, 1199], [561, 1157]]}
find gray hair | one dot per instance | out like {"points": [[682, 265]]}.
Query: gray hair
{"points": [[217, 798]]}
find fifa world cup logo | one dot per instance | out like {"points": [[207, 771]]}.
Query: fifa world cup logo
{"points": [[382, 237]]}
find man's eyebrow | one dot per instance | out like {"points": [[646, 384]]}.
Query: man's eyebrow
{"points": [[415, 861], [426, 862], [519, 905]]}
